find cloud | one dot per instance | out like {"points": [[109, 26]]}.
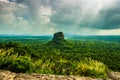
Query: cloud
{"points": [[49, 16], [18, 17], [96, 14], [10, 17], [109, 32], [39, 16]]}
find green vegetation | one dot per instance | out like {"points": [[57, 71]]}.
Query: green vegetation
{"points": [[73, 57], [85, 67]]}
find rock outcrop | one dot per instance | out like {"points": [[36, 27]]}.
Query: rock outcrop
{"points": [[58, 41], [7, 75], [58, 36]]}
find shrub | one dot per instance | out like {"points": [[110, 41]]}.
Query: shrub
{"points": [[6, 58], [89, 67], [21, 64]]}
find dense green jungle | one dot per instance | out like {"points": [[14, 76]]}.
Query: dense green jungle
{"points": [[92, 56]]}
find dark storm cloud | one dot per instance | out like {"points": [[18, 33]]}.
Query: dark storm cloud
{"points": [[70, 14], [111, 18]]}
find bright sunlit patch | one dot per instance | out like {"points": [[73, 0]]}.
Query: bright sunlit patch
{"points": [[4, 0], [109, 32]]}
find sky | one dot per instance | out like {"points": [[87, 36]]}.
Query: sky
{"points": [[45, 17]]}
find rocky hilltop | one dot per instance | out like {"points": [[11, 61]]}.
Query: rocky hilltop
{"points": [[58, 41]]}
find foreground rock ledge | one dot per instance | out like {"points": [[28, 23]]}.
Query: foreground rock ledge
{"points": [[7, 75]]}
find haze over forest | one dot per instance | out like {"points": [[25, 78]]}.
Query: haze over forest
{"points": [[44, 17]]}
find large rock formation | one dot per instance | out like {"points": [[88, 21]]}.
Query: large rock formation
{"points": [[59, 42], [58, 36]]}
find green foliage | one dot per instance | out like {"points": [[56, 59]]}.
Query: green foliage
{"points": [[6, 58], [91, 67], [21, 64], [84, 58], [14, 62], [60, 66]]}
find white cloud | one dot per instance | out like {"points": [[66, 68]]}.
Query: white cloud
{"points": [[109, 32], [10, 19], [45, 13]]}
